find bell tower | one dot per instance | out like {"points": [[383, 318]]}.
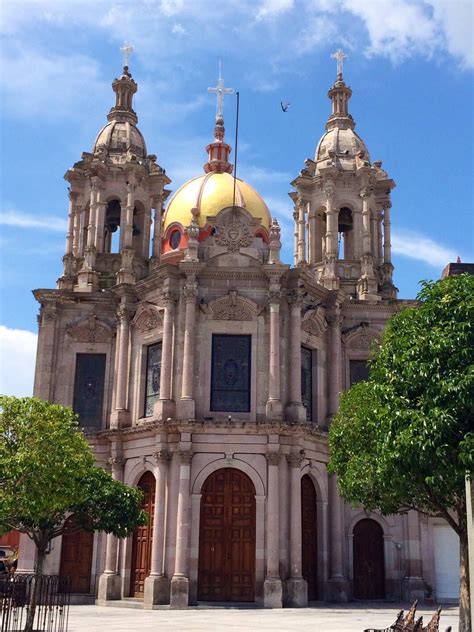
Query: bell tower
{"points": [[114, 192], [342, 208]]}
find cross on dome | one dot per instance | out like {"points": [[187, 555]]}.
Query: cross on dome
{"points": [[340, 56], [126, 50], [220, 90]]}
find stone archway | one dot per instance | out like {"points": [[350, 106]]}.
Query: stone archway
{"points": [[226, 568], [143, 538], [369, 563]]}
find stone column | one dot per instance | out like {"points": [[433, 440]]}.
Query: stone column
{"points": [[47, 322], [109, 581], [329, 278], [87, 279], [180, 580], [273, 408], [366, 245], [157, 584], [66, 281], [76, 230], [125, 274], [119, 417], [301, 232], [297, 588], [335, 386], [295, 235], [100, 228], [272, 587], [187, 406], [314, 245], [387, 243], [414, 583], [70, 222], [295, 410], [164, 407], [156, 246]]}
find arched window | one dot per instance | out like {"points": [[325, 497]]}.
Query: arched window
{"points": [[346, 233], [112, 225]]}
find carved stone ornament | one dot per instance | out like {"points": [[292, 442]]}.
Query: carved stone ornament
{"points": [[147, 317], [233, 231], [90, 329], [273, 458], [295, 459], [233, 307], [185, 456], [362, 338], [314, 323], [162, 456]]}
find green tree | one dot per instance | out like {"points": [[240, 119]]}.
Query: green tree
{"points": [[47, 474], [404, 439]]}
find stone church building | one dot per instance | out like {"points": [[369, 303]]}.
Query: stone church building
{"points": [[205, 371]]}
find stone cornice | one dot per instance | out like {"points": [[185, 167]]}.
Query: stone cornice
{"points": [[45, 296]]}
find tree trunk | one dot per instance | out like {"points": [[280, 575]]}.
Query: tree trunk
{"points": [[464, 592], [40, 556]]}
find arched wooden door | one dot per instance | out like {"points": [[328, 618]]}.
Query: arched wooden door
{"points": [[369, 565], [76, 559], [143, 538], [309, 542], [227, 538]]}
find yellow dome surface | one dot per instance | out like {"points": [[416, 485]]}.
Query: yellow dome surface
{"points": [[210, 193]]}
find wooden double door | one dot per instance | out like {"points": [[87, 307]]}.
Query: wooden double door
{"points": [[76, 559], [368, 557], [143, 538], [226, 569]]}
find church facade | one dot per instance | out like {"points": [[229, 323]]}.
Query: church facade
{"points": [[205, 371]]}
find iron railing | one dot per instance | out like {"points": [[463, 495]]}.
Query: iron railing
{"points": [[52, 604]]}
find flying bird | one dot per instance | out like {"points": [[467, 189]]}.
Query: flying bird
{"points": [[285, 106]]}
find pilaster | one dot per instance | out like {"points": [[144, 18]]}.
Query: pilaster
{"points": [[179, 598], [272, 586]]}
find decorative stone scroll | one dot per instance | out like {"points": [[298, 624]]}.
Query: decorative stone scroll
{"points": [[314, 323], [232, 307], [90, 329], [361, 338], [147, 317]]}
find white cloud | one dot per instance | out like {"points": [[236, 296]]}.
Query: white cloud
{"points": [[17, 361], [456, 20], [55, 87], [273, 8], [25, 220], [178, 29], [410, 244], [171, 7]]}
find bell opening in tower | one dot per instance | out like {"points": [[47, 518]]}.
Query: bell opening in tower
{"points": [[346, 233], [112, 227]]}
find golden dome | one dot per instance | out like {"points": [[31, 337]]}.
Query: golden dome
{"points": [[211, 193]]}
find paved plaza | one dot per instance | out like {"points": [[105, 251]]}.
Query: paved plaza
{"points": [[353, 617]]}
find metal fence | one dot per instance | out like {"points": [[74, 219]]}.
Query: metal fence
{"points": [[52, 604]]}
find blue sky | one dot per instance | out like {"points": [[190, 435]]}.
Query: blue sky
{"points": [[410, 67]]}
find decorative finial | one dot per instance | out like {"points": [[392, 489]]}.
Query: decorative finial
{"points": [[340, 56], [126, 50], [220, 90]]}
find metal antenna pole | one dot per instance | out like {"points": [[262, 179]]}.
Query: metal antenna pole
{"points": [[236, 141]]}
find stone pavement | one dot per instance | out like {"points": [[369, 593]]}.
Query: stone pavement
{"points": [[321, 618]]}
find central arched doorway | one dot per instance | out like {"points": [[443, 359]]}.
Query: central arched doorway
{"points": [[369, 565], [309, 533], [227, 537], [143, 538]]}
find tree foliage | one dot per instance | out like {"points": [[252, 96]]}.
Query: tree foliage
{"points": [[404, 439], [47, 472]]}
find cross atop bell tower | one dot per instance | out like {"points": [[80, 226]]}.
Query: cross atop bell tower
{"points": [[340, 57], [219, 151]]}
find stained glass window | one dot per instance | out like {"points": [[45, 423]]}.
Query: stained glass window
{"points": [[153, 374], [359, 371], [230, 376], [307, 381], [89, 383]]}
